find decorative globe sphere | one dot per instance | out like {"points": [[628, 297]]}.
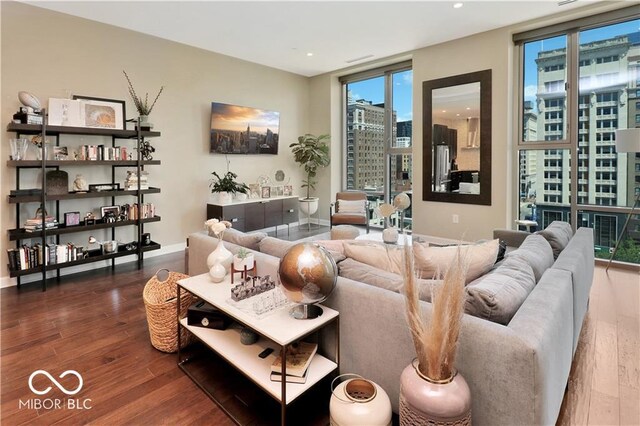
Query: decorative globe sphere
{"points": [[307, 273], [401, 201]]}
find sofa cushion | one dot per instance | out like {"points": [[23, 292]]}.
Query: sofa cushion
{"points": [[351, 206], [379, 255], [250, 241], [275, 246], [429, 261], [361, 272], [558, 234], [498, 295], [537, 252], [278, 248]]}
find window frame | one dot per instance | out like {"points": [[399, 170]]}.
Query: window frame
{"points": [[386, 72], [571, 29]]}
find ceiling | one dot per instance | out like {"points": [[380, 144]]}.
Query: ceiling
{"points": [[281, 34]]}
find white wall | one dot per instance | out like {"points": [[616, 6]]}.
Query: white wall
{"points": [[55, 55]]}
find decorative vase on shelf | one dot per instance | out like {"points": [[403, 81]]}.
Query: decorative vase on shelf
{"points": [[220, 255], [433, 402], [144, 122], [389, 233], [217, 273]]}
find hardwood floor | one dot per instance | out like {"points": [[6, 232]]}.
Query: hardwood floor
{"points": [[94, 323], [604, 386]]}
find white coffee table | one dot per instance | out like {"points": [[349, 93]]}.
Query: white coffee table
{"points": [[277, 329], [402, 239]]}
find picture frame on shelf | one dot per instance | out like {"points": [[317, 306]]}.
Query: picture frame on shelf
{"points": [[277, 190], [72, 219], [60, 153], [266, 192], [287, 190], [102, 113], [254, 190], [98, 187], [110, 214]]}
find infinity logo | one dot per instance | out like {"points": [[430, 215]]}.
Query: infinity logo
{"points": [[55, 382]]}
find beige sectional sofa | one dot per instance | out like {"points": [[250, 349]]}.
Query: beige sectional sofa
{"points": [[517, 372]]}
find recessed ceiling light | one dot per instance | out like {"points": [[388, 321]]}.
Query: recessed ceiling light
{"points": [[457, 5], [309, 54], [457, 115], [468, 108], [444, 110]]}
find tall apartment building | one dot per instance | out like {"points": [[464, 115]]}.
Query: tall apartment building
{"points": [[609, 98], [365, 145]]}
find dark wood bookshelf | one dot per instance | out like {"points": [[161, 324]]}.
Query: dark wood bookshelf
{"points": [[64, 163], [36, 129], [35, 195], [94, 256], [22, 234], [13, 199]]}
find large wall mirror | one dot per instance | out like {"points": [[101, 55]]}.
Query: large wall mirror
{"points": [[457, 139]]}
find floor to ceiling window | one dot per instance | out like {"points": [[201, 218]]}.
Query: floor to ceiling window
{"points": [[378, 121], [577, 87]]}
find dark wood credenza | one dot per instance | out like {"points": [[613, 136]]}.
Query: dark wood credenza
{"points": [[252, 214]]}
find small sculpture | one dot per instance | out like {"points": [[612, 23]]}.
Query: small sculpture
{"points": [[80, 184], [252, 286]]}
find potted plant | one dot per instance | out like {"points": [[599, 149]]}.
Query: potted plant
{"points": [[243, 259], [225, 187], [312, 153], [142, 105]]}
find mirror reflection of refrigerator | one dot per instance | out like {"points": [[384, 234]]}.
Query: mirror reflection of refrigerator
{"points": [[442, 167]]}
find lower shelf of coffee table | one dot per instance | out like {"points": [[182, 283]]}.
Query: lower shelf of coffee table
{"points": [[245, 359]]}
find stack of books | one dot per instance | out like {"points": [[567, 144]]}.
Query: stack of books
{"points": [[26, 257], [35, 224], [131, 182], [299, 358]]}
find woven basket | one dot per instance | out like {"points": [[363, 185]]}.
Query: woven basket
{"points": [[160, 302]]}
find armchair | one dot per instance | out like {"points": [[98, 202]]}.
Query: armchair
{"points": [[353, 211]]}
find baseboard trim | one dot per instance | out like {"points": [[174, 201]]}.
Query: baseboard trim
{"points": [[7, 281]]}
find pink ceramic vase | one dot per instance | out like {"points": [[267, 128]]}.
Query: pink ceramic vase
{"points": [[428, 402]]}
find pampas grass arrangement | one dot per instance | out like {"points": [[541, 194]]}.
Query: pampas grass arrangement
{"points": [[436, 341]]}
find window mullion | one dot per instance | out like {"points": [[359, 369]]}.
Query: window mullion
{"points": [[573, 49]]}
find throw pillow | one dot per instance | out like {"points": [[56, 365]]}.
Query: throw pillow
{"points": [[250, 241], [351, 206], [498, 295], [381, 256], [429, 261], [278, 248], [558, 234], [537, 252], [358, 271]]}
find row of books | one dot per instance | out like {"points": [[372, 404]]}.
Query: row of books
{"points": [[299, 358], [26, 257], [135, 211], [35, 224], [102, 153]]}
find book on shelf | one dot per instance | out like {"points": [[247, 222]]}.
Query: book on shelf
{"points": [[277, 377], [299, 357]]}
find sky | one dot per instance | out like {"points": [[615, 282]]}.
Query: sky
{"points": [[533, 48], [373, 90], [233, 117]]}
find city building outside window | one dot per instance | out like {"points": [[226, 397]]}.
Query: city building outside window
{"points": [[607, 93], [378, 140]]}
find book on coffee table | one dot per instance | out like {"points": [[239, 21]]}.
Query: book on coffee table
{"points": [[277, 377], [298, 359]]}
